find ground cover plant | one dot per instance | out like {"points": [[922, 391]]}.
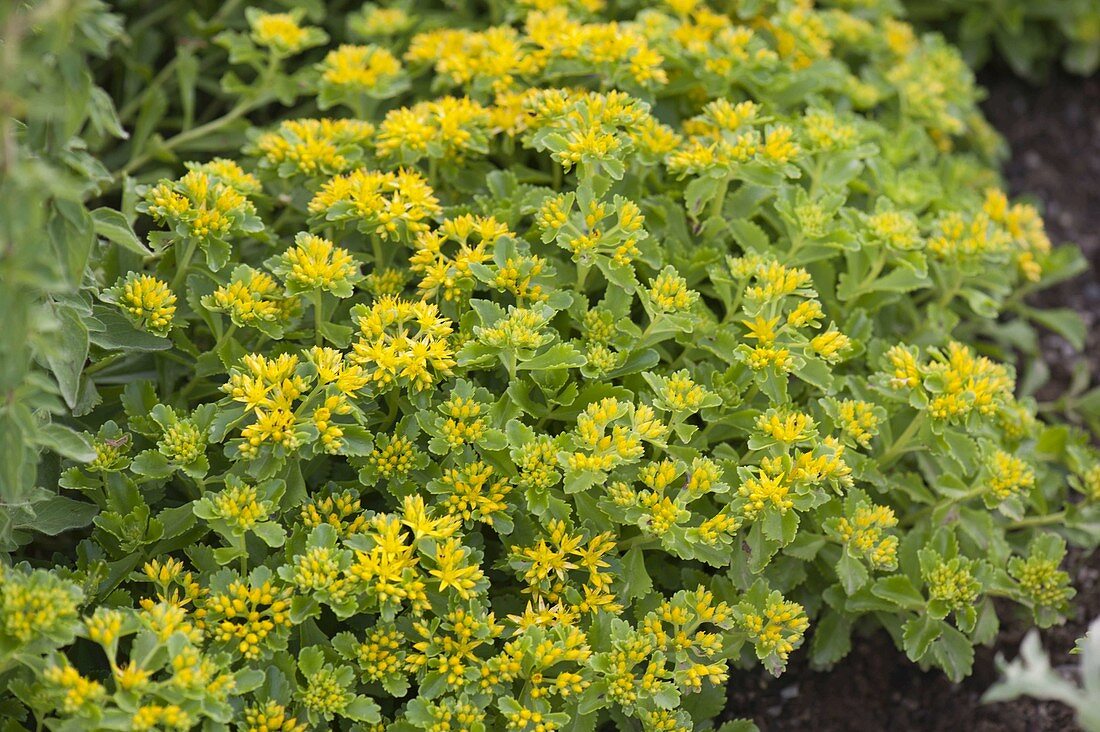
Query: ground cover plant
{"points": [[521, 367]]}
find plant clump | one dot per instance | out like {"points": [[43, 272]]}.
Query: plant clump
{"points": [[534, 372]]}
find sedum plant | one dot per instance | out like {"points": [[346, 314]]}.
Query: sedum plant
{"points": [[535, 370]]}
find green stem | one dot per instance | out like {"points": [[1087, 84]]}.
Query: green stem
{"points": [[1029, 521], [582, 275], [183, 263], [376, 249], [897, 449], [318, 315], [719, 200], [103, 363], [195, 133]]}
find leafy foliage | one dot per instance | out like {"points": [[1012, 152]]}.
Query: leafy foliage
{"points": [[576, 355]]}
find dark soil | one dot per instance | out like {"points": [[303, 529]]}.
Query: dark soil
{"points": [[1054, 135]]}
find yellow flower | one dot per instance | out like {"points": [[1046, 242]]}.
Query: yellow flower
{"points": [[447, 127], [366, 69], [373, 21], [154, 716], [669, 292], [240, 505], [104, 627], [443, 257], [865, 533], [896, 229], [271, 717], [389, 205], [830, 345], [230, 173], [146, 301], [1009, 476], [777, 628], [182, 442], [245, 615], [315, 264], [765, 491], [858, 420], [75, 691], [402, 342], [252, 298], [283, 32], [453, 571], [778, 144], [473, 492], [787, 428], [313, 147]]}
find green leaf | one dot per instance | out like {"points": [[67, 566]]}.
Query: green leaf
{"points": [[558, 356], [635, 577], [59, 513], [899, 589], [66, 442], [151, 464], [954, 653], [851, 573], [918, 635], [67, 353], [832, 639], [114, 227], [119, 335], [1065, 322]]}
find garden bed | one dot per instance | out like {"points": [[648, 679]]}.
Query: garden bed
{"points": [[1054, 135]]}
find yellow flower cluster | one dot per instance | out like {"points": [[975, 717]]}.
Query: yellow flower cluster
{"points": [[952, 583], [618, 50], [240, 506], [1009, 476], [252, 299], [75, 691], [392, 206], [160, 716], [268, 388], [669, 292], [245, 614], [599, 449], [473, 492], [312, 147], [283, 33], [447, 128], [182, 442], [366, 69], [864, 533], [1041, 581], [1022, 222], [560, 564], [146, 301], [613, 229], [442, 256], [402, 343], [315, 264], [271, 717], [857, 420], [777, 628], [202, 207], [496, 58], [787, 428]]}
